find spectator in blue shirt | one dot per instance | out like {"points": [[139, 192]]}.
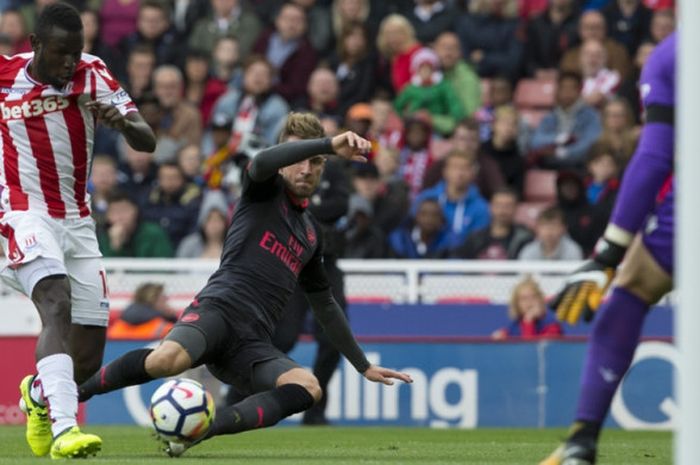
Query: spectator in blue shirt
{"points": [[464, 208]]}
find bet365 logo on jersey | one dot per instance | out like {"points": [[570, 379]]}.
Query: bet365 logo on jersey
{"points": [[31, 108]]}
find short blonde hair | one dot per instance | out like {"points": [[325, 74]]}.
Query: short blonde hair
{"points": [[505, 111], [528, 281], [393, 20], [303, 126]]}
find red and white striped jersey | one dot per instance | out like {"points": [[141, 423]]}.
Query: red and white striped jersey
{"points": [[47, 135]]}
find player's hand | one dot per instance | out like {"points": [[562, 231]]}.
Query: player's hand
{"points": [[583, 292], [384, 375], [107, 115], [584, 288], [350, 146]]}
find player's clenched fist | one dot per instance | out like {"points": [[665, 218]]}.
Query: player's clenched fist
{"points": [[350, 146], [584, 288]]}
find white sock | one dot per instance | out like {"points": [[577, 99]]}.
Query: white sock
{"points": [[36, 391], [60, 391]]}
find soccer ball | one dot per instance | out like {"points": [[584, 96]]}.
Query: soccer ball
{"points": [[182, 410]]}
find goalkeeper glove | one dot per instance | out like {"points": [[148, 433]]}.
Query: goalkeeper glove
{"points": [[584, 288]]}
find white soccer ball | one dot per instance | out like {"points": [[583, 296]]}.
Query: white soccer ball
{"points": [[182, 410]]}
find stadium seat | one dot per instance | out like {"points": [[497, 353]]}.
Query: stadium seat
{"points": [[526, 213], [535, 93], [540, 186]]}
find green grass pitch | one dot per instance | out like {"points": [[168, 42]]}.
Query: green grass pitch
{"points": [[336, 445]]}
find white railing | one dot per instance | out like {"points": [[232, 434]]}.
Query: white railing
{"points": [[394, 281]]}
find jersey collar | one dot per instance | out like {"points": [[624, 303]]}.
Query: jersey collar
{"points": [[296, 201]]}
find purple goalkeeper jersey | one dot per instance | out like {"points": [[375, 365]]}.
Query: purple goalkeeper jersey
{"points": [[651, 167]]}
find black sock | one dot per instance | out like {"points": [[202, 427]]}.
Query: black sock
{"points": [[261, 410], [127, 370], [585, 431]]}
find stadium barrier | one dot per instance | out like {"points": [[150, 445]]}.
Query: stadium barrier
{"points": [[431, 318]]}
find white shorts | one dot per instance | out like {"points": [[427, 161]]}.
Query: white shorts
{"points": [[38, 246]]}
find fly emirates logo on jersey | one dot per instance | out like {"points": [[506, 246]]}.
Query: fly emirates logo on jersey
{"points": [[22, 109], [289, 254]]}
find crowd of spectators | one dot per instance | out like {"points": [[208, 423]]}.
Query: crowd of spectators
{"points": [[500, 128]]}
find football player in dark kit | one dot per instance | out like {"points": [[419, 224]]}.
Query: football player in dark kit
{"points": [[273, 243]]}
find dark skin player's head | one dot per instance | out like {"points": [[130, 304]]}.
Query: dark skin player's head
{"points": [[57, 44]]}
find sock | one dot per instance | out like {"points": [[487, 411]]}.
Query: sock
{"points": [[261, 410], [36, 391], [584, 432], [127, 370], [60, 391], [614, 338]]}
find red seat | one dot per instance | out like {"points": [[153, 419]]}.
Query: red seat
{"points": [[527, 212], [535, 93], [540, 186]]}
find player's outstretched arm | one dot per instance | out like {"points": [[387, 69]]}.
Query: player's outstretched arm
{"points": [[132, 126], [268, 161], [331, 317]]}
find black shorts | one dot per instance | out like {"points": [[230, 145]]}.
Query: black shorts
{"points": [[233, 348]]}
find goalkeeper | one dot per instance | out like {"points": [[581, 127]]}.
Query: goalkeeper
{"points": [[644, 205]]}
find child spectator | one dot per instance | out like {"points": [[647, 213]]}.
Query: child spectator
{"points": [[424, 236], [148, 317], [428, 91], [500, 94], [602, 184], [386, 127], [551, 240], [529, 314], [503, 147], [415, 156]]}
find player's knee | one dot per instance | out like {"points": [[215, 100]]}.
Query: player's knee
{"points": [[169, 359], [313, 387], [53, 300], [303, 378]]}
